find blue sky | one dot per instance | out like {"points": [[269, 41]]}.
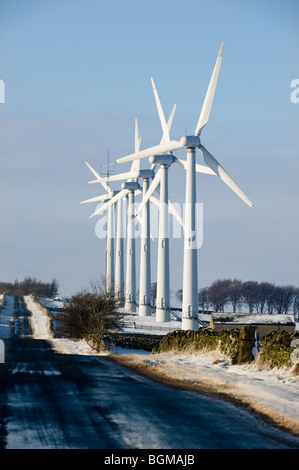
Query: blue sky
{"points": [[76, 75]]}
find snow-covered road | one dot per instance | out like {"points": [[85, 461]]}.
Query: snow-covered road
{"points": [[274, 393]]}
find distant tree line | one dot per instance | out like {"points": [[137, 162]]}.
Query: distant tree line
{"points": [[256, 297], [30, 286]]}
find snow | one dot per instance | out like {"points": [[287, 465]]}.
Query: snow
{"points": [[40, 325], [254, 318], [272, 392], [52, 304]]}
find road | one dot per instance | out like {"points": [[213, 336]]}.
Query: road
{"points": [[54, 401]]}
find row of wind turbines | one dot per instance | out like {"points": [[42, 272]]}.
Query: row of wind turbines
{"points": [[160, 156]]}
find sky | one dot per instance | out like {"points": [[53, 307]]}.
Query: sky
{"points": [[77, 74]]}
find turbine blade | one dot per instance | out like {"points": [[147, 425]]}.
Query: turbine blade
{"points": [[150, 191], [95, 199], [136, 163], [180, 162], [93, 171], [119, 177], [204, 169], [99, 178], [223, 175], [161, 113], [156, 150], [155, 200], [207, 105], [137, 140], [169, 123], [198, 168], [112, 201]]}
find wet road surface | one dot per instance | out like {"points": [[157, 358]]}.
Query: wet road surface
{"points": [[54, 401]]}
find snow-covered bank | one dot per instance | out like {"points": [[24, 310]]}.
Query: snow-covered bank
{"points": [[274, 393], [39, 320], [41, 327]]}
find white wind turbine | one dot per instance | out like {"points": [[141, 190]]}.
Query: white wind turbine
{"points": [[129, 189], [190, 283], [145, 270], [110, 273], [161, 181]]}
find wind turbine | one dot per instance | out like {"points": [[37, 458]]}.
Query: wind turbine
{"points": [[129, 189], [110, 273], [145, 269], [190, 286], [161, 180]]}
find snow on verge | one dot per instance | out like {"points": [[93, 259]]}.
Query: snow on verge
{"points": [[39, 320], [41, 328]]}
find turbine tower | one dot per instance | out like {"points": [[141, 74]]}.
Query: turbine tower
{"points": [[190, 287]]}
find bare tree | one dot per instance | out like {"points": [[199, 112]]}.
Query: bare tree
{"points": [[203, 299], [265, 295], [153, 294], [91, 314], [30, 285], [218, 294], [257, 297], [250, 294], [235, 294], [179, 294], [283, 298], [296, 304]]}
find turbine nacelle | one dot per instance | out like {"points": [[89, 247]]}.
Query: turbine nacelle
{"points": [[130, 185], [190, 141], [164, 159], [145, 174]]}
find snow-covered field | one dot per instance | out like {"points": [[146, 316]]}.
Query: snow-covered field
{"points": [[274, 393]]}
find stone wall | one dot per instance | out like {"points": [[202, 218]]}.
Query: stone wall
{"points": [[275, 349], [235, 344]]}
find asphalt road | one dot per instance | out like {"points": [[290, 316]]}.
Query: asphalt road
{"points": [[54, 401]]}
